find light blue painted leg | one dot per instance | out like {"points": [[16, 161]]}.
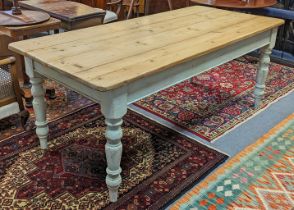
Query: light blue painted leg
{"points": [[39, 103], [113, 107], [261, 76]]}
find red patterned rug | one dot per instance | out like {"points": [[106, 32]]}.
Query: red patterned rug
{"points": [[214, 102], [66, 101], [158, 164]]}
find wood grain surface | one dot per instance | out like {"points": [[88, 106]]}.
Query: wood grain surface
{"points": [[63, 10], [26, 18], [109, 56], [20, 31]]}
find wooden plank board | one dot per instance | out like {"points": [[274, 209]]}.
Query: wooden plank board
{"points": [[68, 51], [107, 57], [143, 23]]}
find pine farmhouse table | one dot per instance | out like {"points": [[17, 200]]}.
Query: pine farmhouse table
{"points": [[119, 63]]}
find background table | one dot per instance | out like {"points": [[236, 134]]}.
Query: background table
{"points": [[19, 33], [25, 18], [73, 15], [236, 4], [13, 34]]}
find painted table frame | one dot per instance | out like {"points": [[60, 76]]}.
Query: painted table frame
{"points": [[114, 102]]}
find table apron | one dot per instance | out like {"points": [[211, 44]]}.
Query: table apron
{"points": [[166, 78], [152, 84], [62, 79]]}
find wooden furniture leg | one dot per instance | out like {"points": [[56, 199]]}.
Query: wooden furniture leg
{"points": [[146, 7], [263, 68], [130, 12], [23, 114], [113, 107], [50, 92], [262, 72], [2, 5], [170, 4], [39, 104]]}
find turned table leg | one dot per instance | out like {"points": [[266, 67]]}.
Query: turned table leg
{"points": [[113, 109], [39, 104], [262, 73]]}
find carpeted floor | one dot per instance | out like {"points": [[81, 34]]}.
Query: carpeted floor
{"points": [[214, 102], [66, 101], [157, 164], [260, 177]]}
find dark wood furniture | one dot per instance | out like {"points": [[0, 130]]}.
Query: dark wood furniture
{"points": [[124, 8], [149, 6], [131, 6], [156, 6], [94, 3], [17, 17], [21, 32], [13, 34], [73, 15], [115, 6], [2, 7], [24, 19], [10, 93], [236, 4]]}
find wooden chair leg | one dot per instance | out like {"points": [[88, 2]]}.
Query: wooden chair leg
{"points": [[50, 92], [170, 4], [137, 11], [187, 3], [130, 12], [28, 102], [24, 116], [146, 7]]}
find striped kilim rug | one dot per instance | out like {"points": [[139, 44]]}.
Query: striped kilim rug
{"points": [[260, 177]]}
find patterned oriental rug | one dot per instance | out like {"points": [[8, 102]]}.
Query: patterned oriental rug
{"points": [[214, 102], [260, 177], [157, 164]]}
